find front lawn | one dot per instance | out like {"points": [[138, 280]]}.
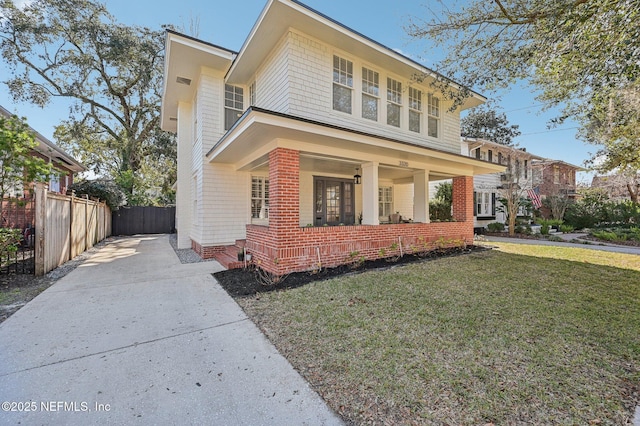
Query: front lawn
{"points": [[492, 337]]}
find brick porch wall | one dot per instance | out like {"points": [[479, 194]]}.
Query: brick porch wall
{"points": [[297, 249], [205, 252]]}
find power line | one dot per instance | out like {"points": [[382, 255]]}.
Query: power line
{"points": [[523, 108], [549, 131]]}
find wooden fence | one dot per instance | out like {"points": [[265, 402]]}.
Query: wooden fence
{"points": [[66, 226]]}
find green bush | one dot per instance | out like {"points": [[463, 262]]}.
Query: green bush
{"points": [[104, 189], [9, 241], [495, 227], [566, 229], [439, 210]]}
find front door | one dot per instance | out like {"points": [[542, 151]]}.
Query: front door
{"points": [[334, 201]]}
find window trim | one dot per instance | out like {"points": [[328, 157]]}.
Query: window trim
{"points": [[394, 98], [235, 101], [264, 198], [376, 96], [431, 116], [382, 203], [415, 110], [338, 83]]}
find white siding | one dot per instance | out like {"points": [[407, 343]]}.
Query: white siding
{"points": [[403, 200], [272, 79], [310, 91]]}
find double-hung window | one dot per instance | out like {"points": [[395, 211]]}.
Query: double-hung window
{"points": [[385, 201], [259, 197], [233, 104], [370, 94], [342, 84], [394, 102], [415, 109], [433, 110]]}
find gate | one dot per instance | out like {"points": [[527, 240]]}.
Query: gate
{"points": [[144, 220], [18, 213]]}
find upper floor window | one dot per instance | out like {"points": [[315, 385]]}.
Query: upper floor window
{"points": [[394, 102], [370, 94], [556, 174], [233, 105], [252, 94], [415, 109], [434, 116], [342, 84]]}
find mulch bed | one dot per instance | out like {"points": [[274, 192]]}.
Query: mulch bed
{"points": [[246, 282]]}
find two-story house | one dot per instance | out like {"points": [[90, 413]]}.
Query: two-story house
{"points": [[303, 143], [489, 188], [555, 178]]}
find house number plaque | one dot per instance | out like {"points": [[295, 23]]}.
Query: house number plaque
{"points": [[404, 164]]}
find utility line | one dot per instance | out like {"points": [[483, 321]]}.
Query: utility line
{"points": [[549, 131]]}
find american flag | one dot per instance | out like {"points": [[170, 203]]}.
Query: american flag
{"points": [[535, 198]]}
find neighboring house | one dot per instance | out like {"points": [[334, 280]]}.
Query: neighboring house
{"points": [[555, 178], [487, 188], [65, 165], [310, 126]]}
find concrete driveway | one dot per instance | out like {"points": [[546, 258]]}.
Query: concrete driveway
{"points": [[132, 336]]}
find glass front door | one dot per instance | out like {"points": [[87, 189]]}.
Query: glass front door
{"points": [[334, 202]]}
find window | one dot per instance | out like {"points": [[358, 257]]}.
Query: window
{"points": [[433, 110], [385, 201], [490, 156], [54, 183], [556, 174], [370, 94], [415, 109], [485, 204], [259, 197], [233, 105], [526, 169], [342, 84], [252, 94], [394, 102]]}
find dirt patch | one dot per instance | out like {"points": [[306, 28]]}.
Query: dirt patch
{"points": [[247, 282]]}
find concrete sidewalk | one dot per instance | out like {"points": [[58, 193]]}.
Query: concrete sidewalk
{"points": [[132, 336], [591, 245]]}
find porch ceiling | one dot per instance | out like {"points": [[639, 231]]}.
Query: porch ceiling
{"points": [[326, 147]]}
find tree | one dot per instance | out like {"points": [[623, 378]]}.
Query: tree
{"points": [[581, 54], [513, 191], [111, 73], [106, 190], [440, 206], [17, 165], [486, 123]]}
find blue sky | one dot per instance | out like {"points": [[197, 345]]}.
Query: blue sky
{"points": [[228, 23]]}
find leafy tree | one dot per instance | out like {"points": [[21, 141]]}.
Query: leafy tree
{"points": [[486, 123], [104, 189], [111, 73], [17, 166], [440, 207], [513, 191], [581, 54]]}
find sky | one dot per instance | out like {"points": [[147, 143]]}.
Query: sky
{"points": [[227, 24]]}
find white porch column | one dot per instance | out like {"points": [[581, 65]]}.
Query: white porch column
{"points": [[370, 194], [183, 190], [421, 196]]}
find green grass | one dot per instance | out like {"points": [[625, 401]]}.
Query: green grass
{"points": [[508, 338]]}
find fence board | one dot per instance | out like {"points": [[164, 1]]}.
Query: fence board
{"points": [[67, 227], [144, 220]]}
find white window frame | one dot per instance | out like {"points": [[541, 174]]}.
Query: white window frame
{"points": [[252, 93], [394, 100], [484, 204], [342, 79], [415, 108], [233, 103], [385, 202], [370, 89], [433, 112], [261, 216]]}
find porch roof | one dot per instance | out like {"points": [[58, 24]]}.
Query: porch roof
{"points": [[259, 131]]}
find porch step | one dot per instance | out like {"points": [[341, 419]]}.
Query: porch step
{"points": [[228, 258]]}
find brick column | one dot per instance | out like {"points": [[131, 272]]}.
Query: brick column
{"points": [[284, 189], [463, 198]]}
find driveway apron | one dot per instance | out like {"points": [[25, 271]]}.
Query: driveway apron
{"points": [[132, 336]]}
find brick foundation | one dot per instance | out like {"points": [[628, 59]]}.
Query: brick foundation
{"points": [[206, 252]]}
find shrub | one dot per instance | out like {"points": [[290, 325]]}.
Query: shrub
{"points": [[9, 241], [439, 209], [566, 228], [104, 189], [496, 227]]}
